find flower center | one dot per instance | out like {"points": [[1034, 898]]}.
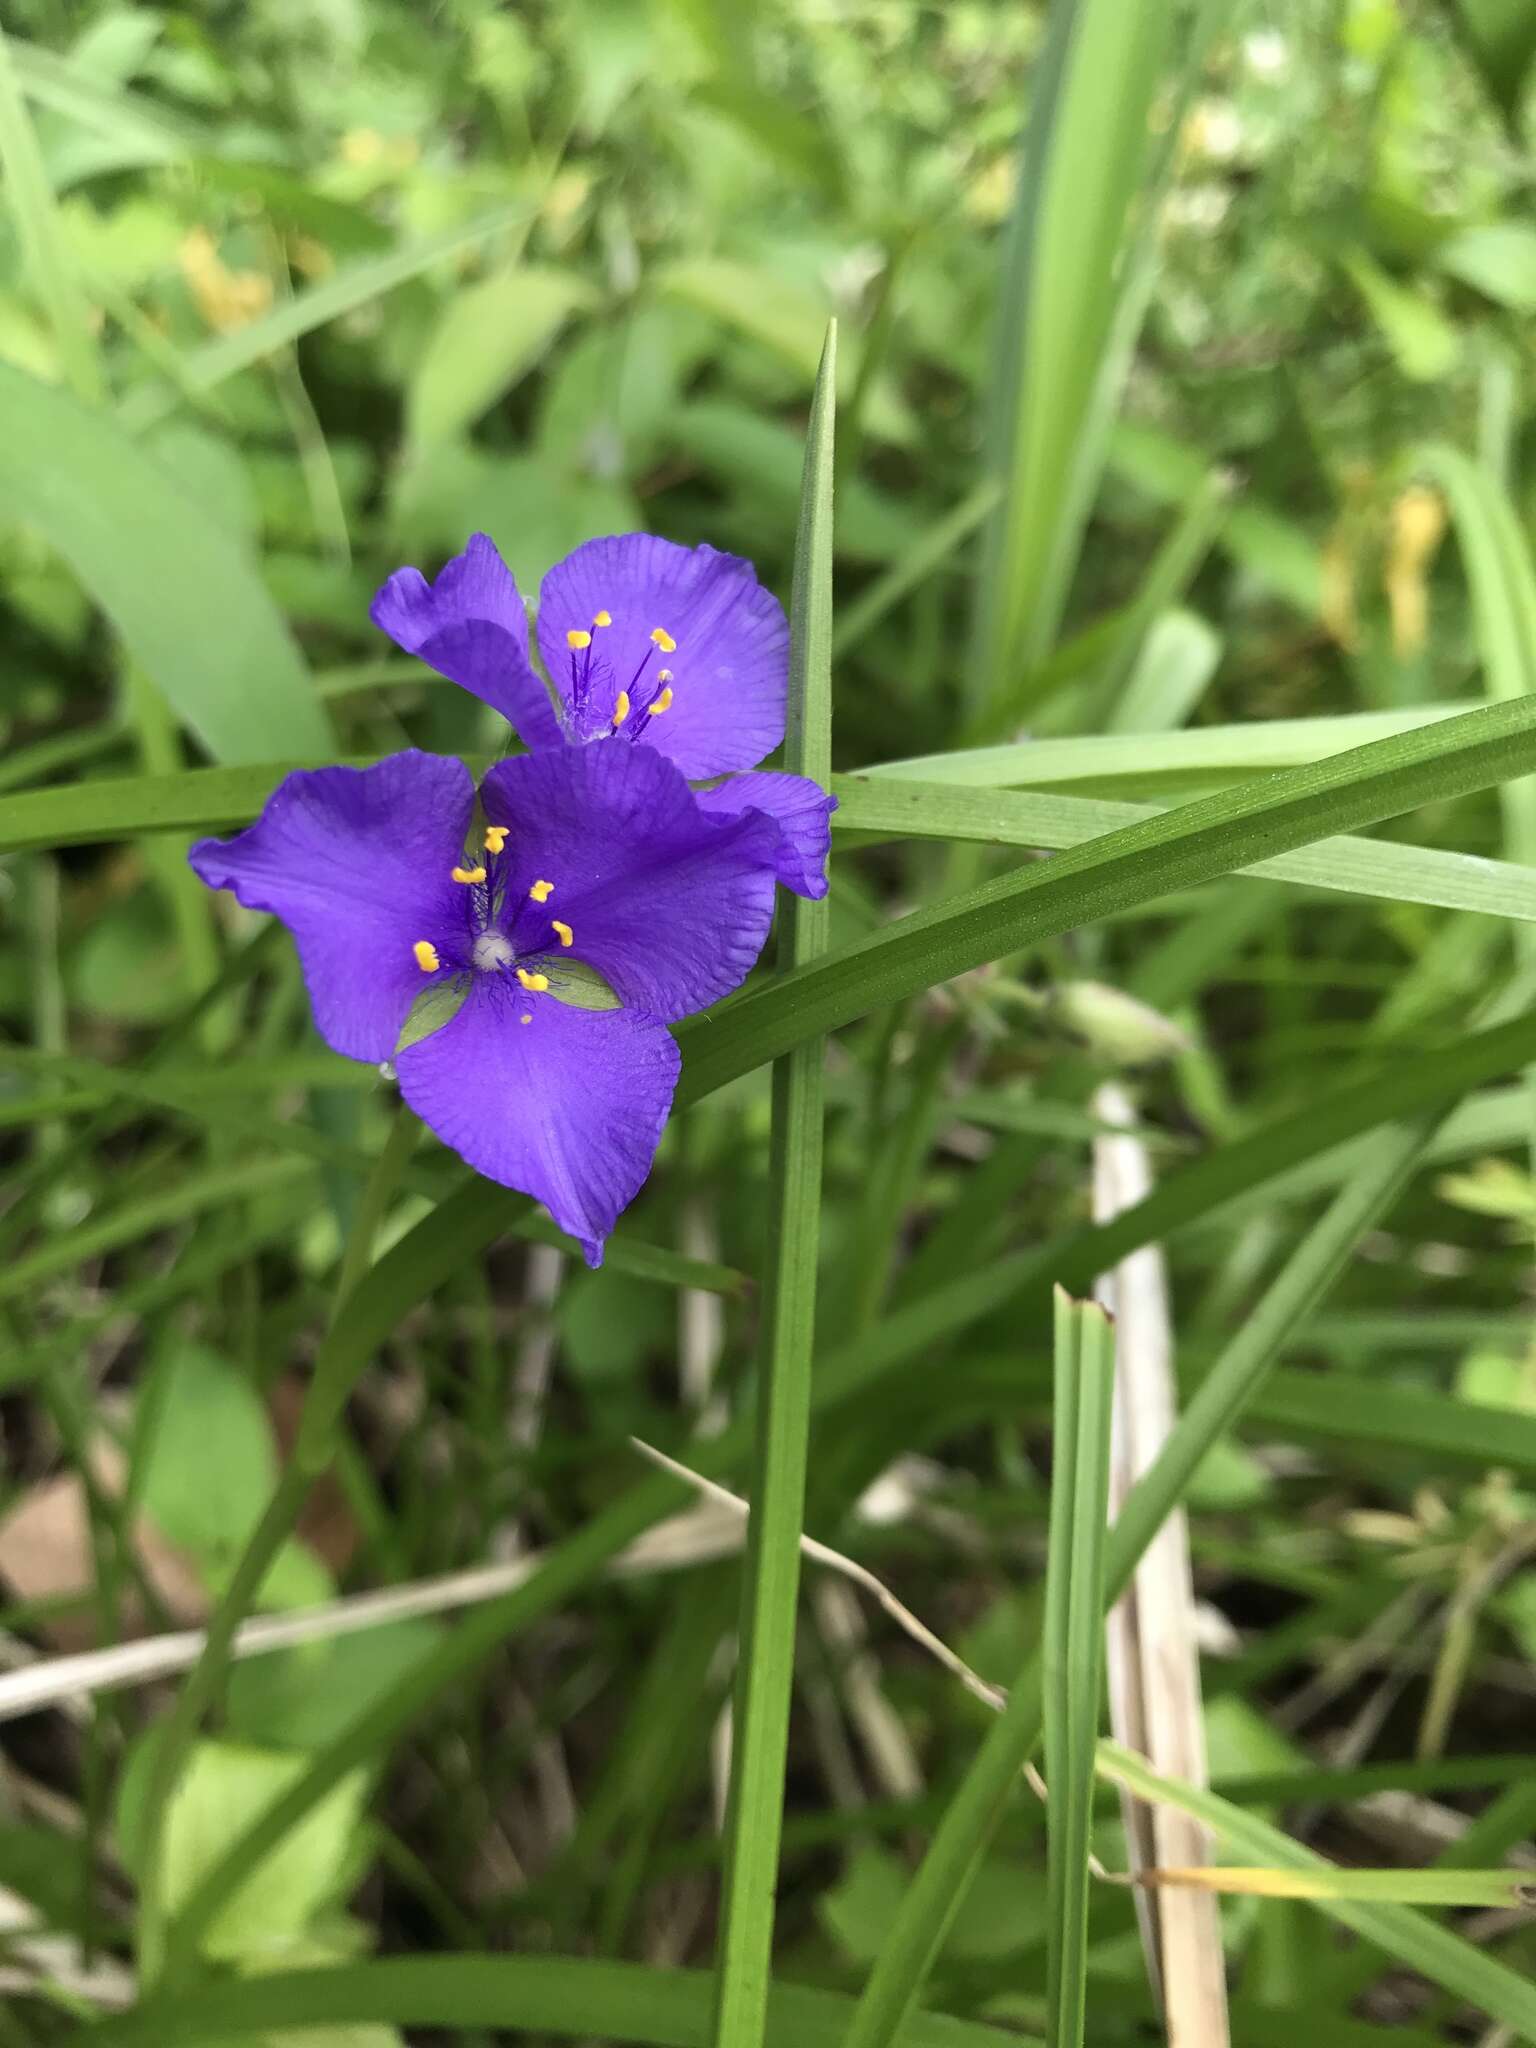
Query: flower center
{"points": [[647, 695], [491, 951]]}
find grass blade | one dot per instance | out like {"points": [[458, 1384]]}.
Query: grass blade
{"points": [[771, 1579], [1418, 1943], [1073, 1648], [567, 1996], [42, 239]]}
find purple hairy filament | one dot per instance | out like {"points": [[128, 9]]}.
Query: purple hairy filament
{"points": [[508, 932], [596, 709]]}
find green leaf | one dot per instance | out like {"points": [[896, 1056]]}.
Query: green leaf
{"points": [[1072, 1660], [568, 1996], [579, 986], [1426, 345], [1500, 37], [211, 1462], [1498, 259], [771, 1571], [487, 338], [437, 1005], [188, 603], [226, 1786]]}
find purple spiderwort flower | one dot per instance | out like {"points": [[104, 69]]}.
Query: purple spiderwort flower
{"points": [[678, 649], [599, 856]]}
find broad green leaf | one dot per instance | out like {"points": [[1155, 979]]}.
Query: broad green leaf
{"points": [[579, 986], [437, 1005], [487, 338], [188, 603], [50, 260], [1426, 345], [1499, 259], [224, 1787], [211, 1463]]}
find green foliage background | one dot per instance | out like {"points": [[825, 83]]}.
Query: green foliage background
{"points": [[1182, 494]]}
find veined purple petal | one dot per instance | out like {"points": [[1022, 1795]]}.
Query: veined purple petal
{"points": [[357, 863], [729, 665], [803, 812], [471, 627], [568, 1108], [670, 904]]}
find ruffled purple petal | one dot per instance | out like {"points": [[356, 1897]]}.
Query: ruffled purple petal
{"points": [[471, 627], [670, 904], [357, 863], [568, 1108], [729, 668], [801, 809]]}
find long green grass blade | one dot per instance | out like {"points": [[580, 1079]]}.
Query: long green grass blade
{"points": [[576, 1997], [771, 1577], [356, 285], [1073, 1645], [1431, 1951], [37, 221], [1072, 297]]}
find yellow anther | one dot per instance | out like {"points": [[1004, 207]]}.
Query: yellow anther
{"points": [[602, 619], [542, 891], [577, 638], [534, 983], [663, 639], [469, 874], [526, 1017], [662, 703], [426, 956], [663, 675], [562, 932], [621, 708], [496, 837]]}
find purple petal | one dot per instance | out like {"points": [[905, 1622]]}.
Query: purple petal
{"points": [[803, 812], [669, 904], [730, 666], [471, 627], [568, 1108], [356, 862]]}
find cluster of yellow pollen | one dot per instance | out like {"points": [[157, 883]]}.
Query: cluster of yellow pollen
{"points": [[496, 837], [534, 983], [426, 956], [663, 639], [562, 932], [542, 891], [475, 874], [620, 709]]}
